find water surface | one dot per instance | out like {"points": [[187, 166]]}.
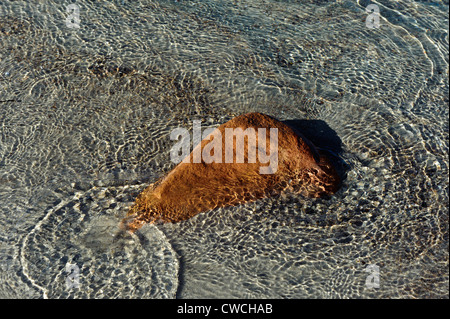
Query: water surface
{"points": [[85, 121]]}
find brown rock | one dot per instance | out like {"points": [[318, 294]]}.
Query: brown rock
{"points": [[191, 188]]}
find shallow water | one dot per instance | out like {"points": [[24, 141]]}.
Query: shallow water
{"points": [[85, 121]]}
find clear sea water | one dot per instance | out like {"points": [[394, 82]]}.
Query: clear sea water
{"points": [[85, 119]]}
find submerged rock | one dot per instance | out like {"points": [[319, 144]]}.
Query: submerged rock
{"points": [[247, 158]]}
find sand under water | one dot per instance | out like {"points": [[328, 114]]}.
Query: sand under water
{"points": [[85, 120]]}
